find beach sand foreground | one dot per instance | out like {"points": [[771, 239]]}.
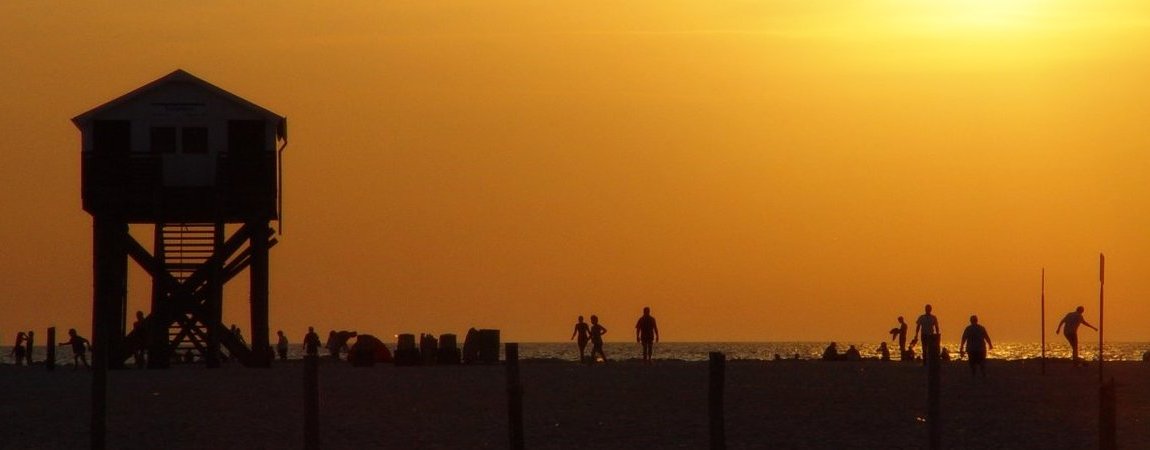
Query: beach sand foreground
{"points": [[788, 404]]}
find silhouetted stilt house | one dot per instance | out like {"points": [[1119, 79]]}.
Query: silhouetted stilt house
{"points": [[189, 159]]}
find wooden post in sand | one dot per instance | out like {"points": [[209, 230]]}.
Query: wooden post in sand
{"points": [[311, 402], [1107, 417], [715, 401], [98, 429], [50, 354], [514, 396], [1043, 319], [1101, 310], [933, 405]]}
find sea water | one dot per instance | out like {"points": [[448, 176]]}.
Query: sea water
{"points": [[699, 351]]}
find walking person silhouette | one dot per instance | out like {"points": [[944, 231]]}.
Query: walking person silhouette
{"points": [[927, 323], [583, 332], [975, 342], [597, 332], [647, 334]]}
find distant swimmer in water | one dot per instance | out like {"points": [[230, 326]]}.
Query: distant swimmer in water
{"points": [[597, 332], [1072, 321], [583, 332]]}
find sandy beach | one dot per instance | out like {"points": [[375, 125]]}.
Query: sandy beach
{"points": [[788, 404]]}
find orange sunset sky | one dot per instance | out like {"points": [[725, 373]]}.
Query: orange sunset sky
{"points": [[751, 170]]}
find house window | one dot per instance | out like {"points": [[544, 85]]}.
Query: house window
{"points": [[189, 140], [163, 140], [194, 140], [246, 137], [112, 137]]}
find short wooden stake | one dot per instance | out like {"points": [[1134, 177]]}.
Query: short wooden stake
{"points": [[715, 401], [933, 404], [311, 402], [1108, 417], [31, 346], [99, 425], [50, 357], [514, 396]]}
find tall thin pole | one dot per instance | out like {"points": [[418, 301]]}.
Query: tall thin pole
{"points": [[1101, 310], [1043, 321], [715, 400], [514, 397]]}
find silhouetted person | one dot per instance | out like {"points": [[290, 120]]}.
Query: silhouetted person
{"points": [[1072, 321], [908, 354], [332, 350], [238, 334], [337, 342], [927, 324], [282, 345], [29, 345], [884, 352], [852, 354], [899, 333], [975, 342], [79, 348], [831, 353], [944, 354], [597, 332], [18, 349], [140, 345], [311, 342], [583, 332], [647, 333]]}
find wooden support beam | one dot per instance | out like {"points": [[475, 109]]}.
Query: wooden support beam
{"points": [[212, 306], [110, 287], [259, 270], [198, 299]]}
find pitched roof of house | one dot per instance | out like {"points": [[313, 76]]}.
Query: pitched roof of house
{"points": [[180, 75]]}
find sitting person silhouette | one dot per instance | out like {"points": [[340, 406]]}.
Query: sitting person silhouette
{"points": [[852, 354], [831, 353]]}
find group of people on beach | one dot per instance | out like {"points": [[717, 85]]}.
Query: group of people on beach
{"points": [[337, 343], [21, 353], [646, 334], [975, 340]]}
